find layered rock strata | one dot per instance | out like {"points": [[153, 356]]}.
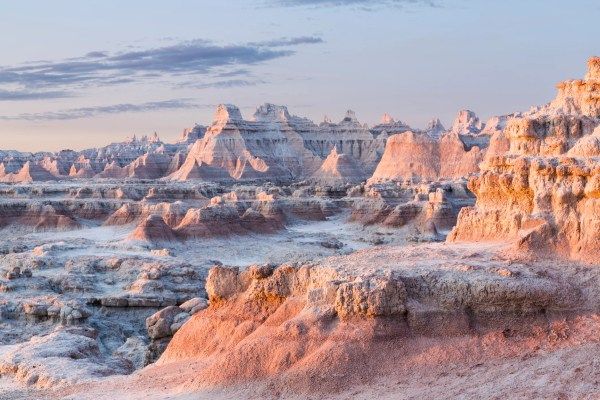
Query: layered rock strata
{"points": [[286, 323], [544, 191]]}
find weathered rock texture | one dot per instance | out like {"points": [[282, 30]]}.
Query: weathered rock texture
{"points": [[425, 155], [289, 322], [544, 191], [340, 168], [278, 146], [429, 208]]}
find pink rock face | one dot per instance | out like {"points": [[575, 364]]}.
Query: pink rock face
{"points": [[339, 168], [224, 219], [466, 122], [153, 229], [113, 170], [456, 160], [30, 172], [544, 191], [387, 119], [274, 146], [171, 213], [149, 166], [38, 216], [284, 323], [420, 156], [389, 126], [190, 135], [82, 168], [409, 155], [434, 128], [57, 166]]}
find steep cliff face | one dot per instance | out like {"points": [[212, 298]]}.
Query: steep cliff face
{"points": [[547, 133], [30, 172], [350, 137], [458, 158], [351, 313], [429, 155], [233, 148], [339, 168], [147, 166], [544, 191], [550, 203], [275, 145]]}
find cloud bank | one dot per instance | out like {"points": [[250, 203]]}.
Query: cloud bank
{"points": [[18, 95], [99, 68], [86, 112]]}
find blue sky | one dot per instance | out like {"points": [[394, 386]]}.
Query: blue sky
{"points": [[80, 74]]}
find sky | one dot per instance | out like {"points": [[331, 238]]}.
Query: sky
{"points": [[79, 74]]}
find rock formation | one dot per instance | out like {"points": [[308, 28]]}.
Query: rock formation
{"points": [[153, 229], [543, 192], [339, 168], [251, 259], [282, 324], [190, 135], [30, 172], [409, 155], [389, 126], [236, 149], [434, 128], [431, 155], [275, 146]]}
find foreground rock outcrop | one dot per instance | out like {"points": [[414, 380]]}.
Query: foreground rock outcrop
{"points": [[431, 155], [287, 323]]}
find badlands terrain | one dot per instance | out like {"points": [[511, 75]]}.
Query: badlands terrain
{"points": [[273, 257]]}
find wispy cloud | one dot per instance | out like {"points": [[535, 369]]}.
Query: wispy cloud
{"points": [[288, 41], [19, 95], [223, 84], [87, 112], [195, 57], [363, 4]]}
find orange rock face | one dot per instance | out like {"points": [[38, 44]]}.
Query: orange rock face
{"points": [[544, 191], [542, 203], [411, 155], [581, 96]]}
